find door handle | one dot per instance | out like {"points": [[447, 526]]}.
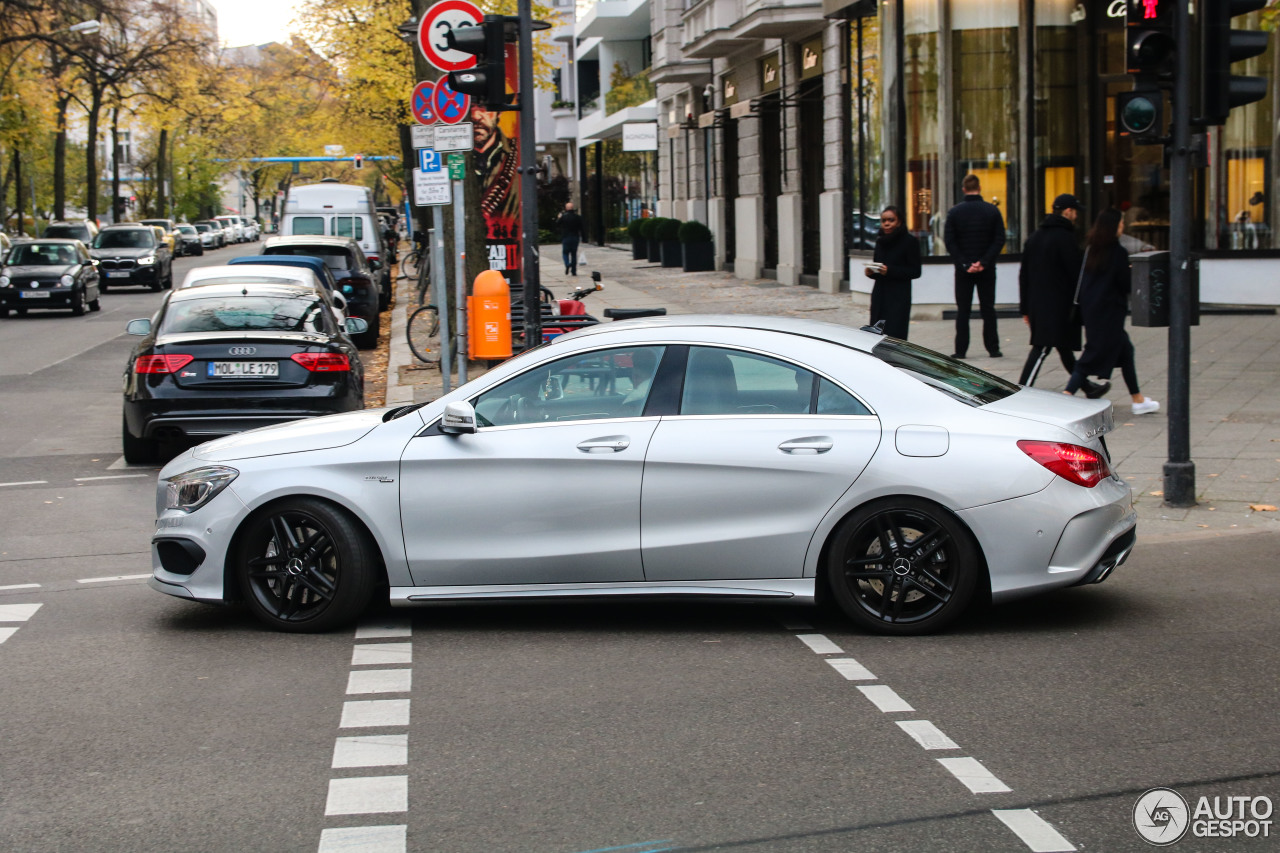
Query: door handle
{"points": [[607, 444], [812, 444]]}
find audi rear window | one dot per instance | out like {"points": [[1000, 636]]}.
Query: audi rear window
{"points": [[951, 376], [246, 314], [334, 258]]}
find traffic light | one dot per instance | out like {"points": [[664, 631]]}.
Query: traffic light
{"points": [[358, 161], [487, 81], [1140, 113], [1222, 46], [1149, 40]]}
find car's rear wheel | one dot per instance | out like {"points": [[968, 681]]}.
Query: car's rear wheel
{"points": [[369, 339], [306, 565], [903, 566], [137, 451], [95, 305]]}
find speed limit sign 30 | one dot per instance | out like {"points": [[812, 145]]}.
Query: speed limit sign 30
{"points": [[435, 26]]}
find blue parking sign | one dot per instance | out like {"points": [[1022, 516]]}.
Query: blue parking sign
{"points": [[428, 160]]}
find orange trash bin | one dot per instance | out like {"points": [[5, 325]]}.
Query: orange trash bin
{"points": [[489, 317]]}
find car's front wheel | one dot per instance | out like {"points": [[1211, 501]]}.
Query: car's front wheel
{"points": [[903, 566], [77, 303], [305, 565]]}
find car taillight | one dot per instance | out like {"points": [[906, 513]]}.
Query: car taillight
{"points": [[322, 362], [1079, 465], [161, 363]]}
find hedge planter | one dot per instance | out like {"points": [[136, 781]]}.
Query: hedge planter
{"points": [[672, 253], [699, 257], [655, 251], [639, 249]]}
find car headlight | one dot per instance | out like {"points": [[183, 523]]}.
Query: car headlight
{"points": [[147, 261], [4, 281], [193, 489], [68, 280]]}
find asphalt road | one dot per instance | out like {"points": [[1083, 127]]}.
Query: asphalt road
{"points": [[133, 721]]}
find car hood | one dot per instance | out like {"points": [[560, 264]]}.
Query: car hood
{"points": [[122, 252], [1086, 418], [301, 436], [40, 271]]}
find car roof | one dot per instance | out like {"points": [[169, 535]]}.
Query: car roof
{"points": [[300, 291], [833, 332], [314, 264], [121, 226], [310, 240], [298, 275], [54, 241]]}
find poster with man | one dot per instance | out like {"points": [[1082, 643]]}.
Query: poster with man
{"points": [[497, 161]]}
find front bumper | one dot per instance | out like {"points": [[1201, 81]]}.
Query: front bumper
{"points": [[147, 275], [20, 297]]}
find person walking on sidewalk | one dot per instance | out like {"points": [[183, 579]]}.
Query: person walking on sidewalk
{"points": [[898, 256], [1047, 293], [570, 224], [974, 235], [1104, 297]]}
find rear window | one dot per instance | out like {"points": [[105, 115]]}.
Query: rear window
{"points": [[348, 226], [307, 225], [333, 257], [130, 238], [74, 232], [246, 314], [951, 376]]}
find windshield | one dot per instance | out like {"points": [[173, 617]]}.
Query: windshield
{"points": [[126, 238], [962, 381], [37, 255], [187, 229], [334, 258], [251, 313], [202, 228]]}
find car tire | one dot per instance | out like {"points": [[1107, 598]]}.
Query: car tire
{"points": [[95, 305], [902, 566], [4, 312], [103, 287], [157, 285], [77, 303], [137, 451], [369, 339], [321, 577]]}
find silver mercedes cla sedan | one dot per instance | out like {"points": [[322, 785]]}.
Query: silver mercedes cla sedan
{"points": [[727, 457]]}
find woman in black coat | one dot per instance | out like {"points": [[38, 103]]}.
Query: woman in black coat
{"points": [[1104, 297], [898, 255]]}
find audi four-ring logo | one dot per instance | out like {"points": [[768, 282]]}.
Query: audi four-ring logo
{"points": [[242, 351]]}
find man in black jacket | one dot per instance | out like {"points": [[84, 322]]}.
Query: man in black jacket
{"points": [[1047, 292], [570, 236], [974, 235]]}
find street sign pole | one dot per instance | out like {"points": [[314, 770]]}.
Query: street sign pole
{"points": [[1179, 470], [440, 284], [460, 276], [528, 182]]}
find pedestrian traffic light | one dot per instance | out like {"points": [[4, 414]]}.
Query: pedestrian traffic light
{"points": [[1139, 114], [1149, 39], [1220, 45], [358, 161], [487, 81]]}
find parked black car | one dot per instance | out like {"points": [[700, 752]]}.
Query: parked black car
{"points": [[219, 359], [48, 274], [131, 254], [344, 257], [188, 238]]}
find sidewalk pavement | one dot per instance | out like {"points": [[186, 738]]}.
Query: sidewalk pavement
{"points": [[1235, 381]]}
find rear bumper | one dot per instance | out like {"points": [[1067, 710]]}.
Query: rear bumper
{"points": [[205, 426]]}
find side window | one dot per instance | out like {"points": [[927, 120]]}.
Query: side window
{"points": [[729, 382], [308, 225], [834, 400], [610, 383]]}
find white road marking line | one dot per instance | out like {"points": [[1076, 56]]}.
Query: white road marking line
{"points": [[383, 630], [364, 839], [21, 586], [379, 681], [371, 751], [6, 633], [110, 477], [26, 483], [885, 698], [18, 612], [382, 654], [851, 669], [118, 465], [1035, 831], [115, 578], [366, 713], [368, 795], [927, 734], [975, 777], [819, 644]]}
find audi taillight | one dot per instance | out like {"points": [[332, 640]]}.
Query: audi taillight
{"points": [[161, 363], [1079, 465], [322, 362]]}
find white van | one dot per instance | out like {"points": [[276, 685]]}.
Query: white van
{"points": [[336, 210]]}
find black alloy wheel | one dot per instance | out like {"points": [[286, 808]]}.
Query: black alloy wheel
{"points": [[306, 566], [77, 302], [95, 305], [903, 566]]}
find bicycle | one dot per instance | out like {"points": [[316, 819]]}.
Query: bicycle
{"points": [[412, 260], [423, 327]]}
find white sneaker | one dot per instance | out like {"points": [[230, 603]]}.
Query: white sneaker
{"points": [[1146, 407]]}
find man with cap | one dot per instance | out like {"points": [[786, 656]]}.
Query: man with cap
{"points": [[1047, 292]]}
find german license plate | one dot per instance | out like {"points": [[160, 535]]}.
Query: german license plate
{"points": [[117, 273], [241, 369], [34, 294]]}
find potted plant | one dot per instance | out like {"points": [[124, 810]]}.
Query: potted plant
{"points": [[668, 235], [699, 251], [639, 244], [647, 230]]}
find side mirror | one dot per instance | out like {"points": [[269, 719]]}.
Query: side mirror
{"points": [[141, 327], [375, 264], [357, 325], [459, 419], [339, 301]]}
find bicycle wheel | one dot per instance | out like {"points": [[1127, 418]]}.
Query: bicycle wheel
{"points": [[423, 331], [409, 264]]}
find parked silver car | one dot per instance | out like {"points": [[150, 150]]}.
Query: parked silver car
{"points": [[752, 458]]}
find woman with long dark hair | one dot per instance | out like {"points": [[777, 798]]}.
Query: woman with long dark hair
{"points": [[1104, 297], [896, 263]]}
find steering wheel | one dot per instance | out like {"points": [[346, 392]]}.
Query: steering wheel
{"points": [[527, 411]]}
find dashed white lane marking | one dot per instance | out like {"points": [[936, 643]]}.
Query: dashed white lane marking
{"points": [[885, 698], [109, 477], [20, 586], [384, 630], [851, 669], [820, 644], [26, 483], [18, 612], [369, 713], [927, 734], [368, 795], [975, 777], [382, 654], [379, 681], [1034, 831], [371, 751], [115, 578], [364, 839], [6, 633]]}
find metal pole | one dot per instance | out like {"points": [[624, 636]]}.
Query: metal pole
{"points": [[441, 286], [460, 276], [528, 183], [1179, 470]]}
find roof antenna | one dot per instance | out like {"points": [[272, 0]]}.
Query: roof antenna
{"points": [[244, 291], [878, 328]]}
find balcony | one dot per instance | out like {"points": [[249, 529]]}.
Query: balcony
{"points": [[614, 19], [719, 28], [628, 91]]}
